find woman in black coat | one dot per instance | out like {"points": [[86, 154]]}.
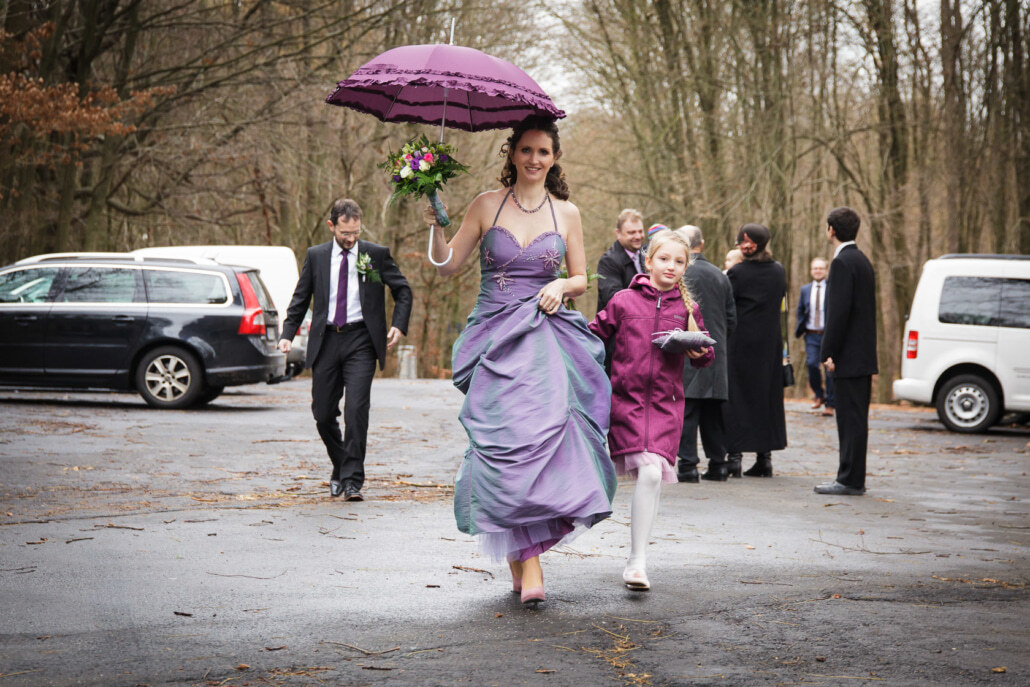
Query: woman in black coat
{"points": [[755, 419]]}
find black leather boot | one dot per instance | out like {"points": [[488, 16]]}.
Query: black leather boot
{"points": [[762, 466], [687, 474], [717, 472], [733, 464]]}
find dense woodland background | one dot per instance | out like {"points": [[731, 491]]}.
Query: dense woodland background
{"points": [[132, 123]]}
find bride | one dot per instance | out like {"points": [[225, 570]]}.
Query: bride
{"points": [[537, 400]]}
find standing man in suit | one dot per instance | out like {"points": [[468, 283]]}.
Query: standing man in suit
{"points": [[705, 390], [346, 277], [623, 260], [617, 267], [849, 348], [811, 323]]}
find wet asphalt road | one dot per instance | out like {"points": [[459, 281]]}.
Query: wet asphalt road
{"points": [[141, 547]]}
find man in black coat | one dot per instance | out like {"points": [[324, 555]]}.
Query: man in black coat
{"points": [[705, 390], [849, 348], [623, 260], [346, 278], [619, 264]]}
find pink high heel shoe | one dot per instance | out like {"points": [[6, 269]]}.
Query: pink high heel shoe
{"points": [[516, 584], [533, 596]]}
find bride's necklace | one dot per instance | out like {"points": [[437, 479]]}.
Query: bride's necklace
{"points": [[515, 198]]}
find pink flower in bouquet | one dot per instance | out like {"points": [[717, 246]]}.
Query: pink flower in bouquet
{"points": [[428, 157]]}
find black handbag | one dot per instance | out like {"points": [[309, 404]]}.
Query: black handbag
{"points": [[788, 368], [788, 372]]}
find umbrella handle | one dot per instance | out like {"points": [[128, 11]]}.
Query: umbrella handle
{"points": [[450, 251]]}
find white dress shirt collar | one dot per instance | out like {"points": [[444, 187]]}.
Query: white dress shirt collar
{"points": [[841, 247]]}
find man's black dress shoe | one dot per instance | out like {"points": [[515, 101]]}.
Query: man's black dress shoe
{"points": [[717, 472], [352, 493], [335, 487], [835, 488], [688, 475]]}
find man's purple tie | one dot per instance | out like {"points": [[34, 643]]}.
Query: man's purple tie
{"points": [[341, 293]]}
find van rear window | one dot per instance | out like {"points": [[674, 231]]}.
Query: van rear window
{"points": [[985, 301]]}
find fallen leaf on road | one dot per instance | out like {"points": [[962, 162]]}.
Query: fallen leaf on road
{"points": [[546, 670], [999, 669], [498, 615], [433, 586], [274, 648], [243, 666], [188, 615]]}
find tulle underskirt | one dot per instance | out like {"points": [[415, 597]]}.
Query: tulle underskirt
{"points": [[629, 463]]}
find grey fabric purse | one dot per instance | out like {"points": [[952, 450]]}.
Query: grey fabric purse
{"points": [[680, 341]]}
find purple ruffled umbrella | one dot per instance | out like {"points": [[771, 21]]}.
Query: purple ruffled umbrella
{"points": [[444, 84]]}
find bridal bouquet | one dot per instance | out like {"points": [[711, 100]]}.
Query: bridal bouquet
{"points": [[421, 168]]}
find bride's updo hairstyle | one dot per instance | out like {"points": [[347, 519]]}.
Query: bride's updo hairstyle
{"points": [[555, 181]]}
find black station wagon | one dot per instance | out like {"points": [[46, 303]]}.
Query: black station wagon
{"points": [[175, 331]]}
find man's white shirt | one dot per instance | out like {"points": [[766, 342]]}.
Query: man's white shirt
{"points": [[816, 302], [353, 294]]}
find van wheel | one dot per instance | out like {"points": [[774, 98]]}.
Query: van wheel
{"points": [[968, 404], [169, 377]]}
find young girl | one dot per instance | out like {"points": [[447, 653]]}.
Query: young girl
{"points": [[647, 384]]}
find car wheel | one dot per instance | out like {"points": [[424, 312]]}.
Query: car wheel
{"points": [[968, 404], [169, 377], [210, 393]]}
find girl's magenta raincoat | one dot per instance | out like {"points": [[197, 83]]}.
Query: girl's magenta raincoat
{"points": [[647, 384]]}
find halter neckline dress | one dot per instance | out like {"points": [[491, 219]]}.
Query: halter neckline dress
{"points": [[537, 403]]}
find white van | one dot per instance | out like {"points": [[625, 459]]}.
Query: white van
{"points": [[278, 268], [967, 340]]}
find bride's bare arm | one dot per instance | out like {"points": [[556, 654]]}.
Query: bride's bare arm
{"points": [[575, 254], [464, 241], [552, 295]]}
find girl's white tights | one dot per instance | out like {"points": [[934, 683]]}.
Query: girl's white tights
{"points": [[643, 512]]}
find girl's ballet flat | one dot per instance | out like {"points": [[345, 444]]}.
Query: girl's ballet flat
{"points": [[636, 579]]}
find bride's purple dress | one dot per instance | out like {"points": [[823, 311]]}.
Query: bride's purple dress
{"points": [[536, 408]]}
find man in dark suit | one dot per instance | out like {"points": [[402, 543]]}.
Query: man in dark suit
{"points": [[619, 265], [811, 323], [849, 348], [623, 260], [705, 390], [346, 278]]}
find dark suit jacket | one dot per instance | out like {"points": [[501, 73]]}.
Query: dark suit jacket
{"points": [[806, 296], [713, 293], [616, 271], [850, 334], [314, 282]]}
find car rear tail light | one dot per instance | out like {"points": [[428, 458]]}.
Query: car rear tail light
{"points": [[912, 345], [253, 320]]}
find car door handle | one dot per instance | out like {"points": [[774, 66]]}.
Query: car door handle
{"points": [[123, 319], [25, 319]]}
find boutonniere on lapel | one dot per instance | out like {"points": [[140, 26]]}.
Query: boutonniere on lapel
{"points": [[366, 270]]}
